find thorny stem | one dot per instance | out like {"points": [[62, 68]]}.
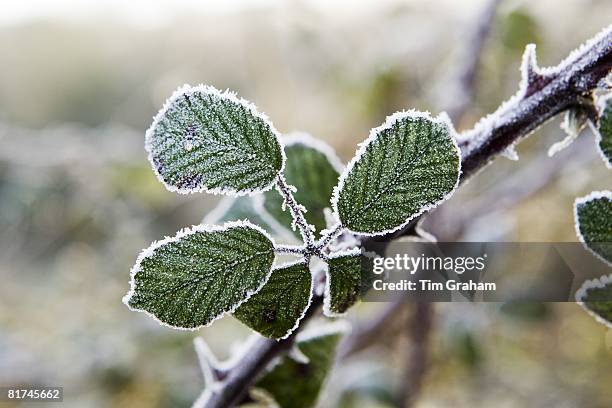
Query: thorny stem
{"points": [[296, 212], [511, 122], [233, 387], [329, 236], [290, 249]]}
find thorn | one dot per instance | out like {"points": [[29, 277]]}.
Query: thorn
{"points": [[510, 153], [426, 235], [574, 122], [296, 354], [208, 362], [532, 78]]}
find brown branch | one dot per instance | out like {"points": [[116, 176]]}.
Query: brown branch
{"points": [[419, 331], [543, 95]]}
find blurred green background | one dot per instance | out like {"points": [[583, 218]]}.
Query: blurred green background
{"points": [[79, 83]]}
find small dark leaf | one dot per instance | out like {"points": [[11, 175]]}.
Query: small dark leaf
{"points": [[297, 384], [605, 133], [344, 280], [593, 216], [596, 297], [276, 310]]}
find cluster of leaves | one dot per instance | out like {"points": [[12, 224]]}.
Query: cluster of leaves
{"points": [[207, 140], [212, 141], [593, 217]]}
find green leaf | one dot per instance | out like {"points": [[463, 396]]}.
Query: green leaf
{"points": [[206, 140], [593, 215], [596, 297], [236, 209], [408, 165], [604, 138], [276, 310], [191, 279], [344, 280], [297, 384], [313, 168]]}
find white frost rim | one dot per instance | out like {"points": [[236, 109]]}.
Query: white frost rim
{"points": [[581, 294], [147, 252], [595, 195], [319, 145], [529, 69], [187, 89], [327, 292], [442, 119], [598, 136], [299, 319]]}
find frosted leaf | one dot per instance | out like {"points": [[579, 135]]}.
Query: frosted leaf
{"points": [[407, 166], [207, 140], [235, 209], [313, 169], [573, 122], [296, 384], [193, 278], [593, 216], [595, 296], [343, 283], [604, 134], [276, 310]]}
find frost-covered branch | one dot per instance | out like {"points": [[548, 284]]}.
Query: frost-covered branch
{"points": [[290, 249], [297, 211], [543, 94], [232, 389], [329, 236]]}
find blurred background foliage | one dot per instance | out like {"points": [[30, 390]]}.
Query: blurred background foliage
{"points": [[78, 200]]}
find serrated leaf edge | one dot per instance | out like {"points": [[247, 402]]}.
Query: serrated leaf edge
{"points": [[441, 119], [598, 136], [598, 283], [150, 250], [327, 292], [595, 195], [310, 291], [187, 89]]}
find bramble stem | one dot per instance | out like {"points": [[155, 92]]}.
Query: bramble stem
{"points": [[290, 249], [329, 236], [296, 211], [560, 91]]}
